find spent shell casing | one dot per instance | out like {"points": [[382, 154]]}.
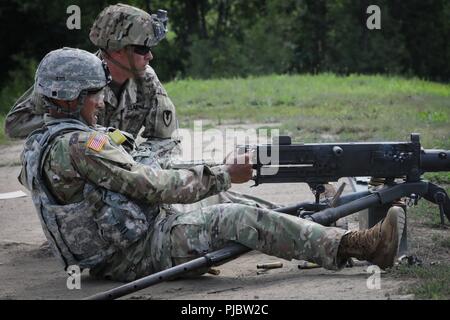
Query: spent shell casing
{"points": [[213, 271], [261, 272], [308, 265], [270, 265]]}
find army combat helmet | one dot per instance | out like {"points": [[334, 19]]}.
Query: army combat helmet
{"points": [[121, 25], [68, 74]]}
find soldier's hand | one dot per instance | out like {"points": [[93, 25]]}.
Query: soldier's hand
{"points": [[240, 168]]}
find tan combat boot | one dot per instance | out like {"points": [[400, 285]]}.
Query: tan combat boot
{"points": [[379, 244]]}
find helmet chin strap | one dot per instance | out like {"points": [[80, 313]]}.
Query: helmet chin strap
{"points": [[80, 105], [137, 78], [132, 69], [62, 110]]}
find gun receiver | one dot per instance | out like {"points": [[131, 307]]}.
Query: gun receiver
{"points": [[325, 162]]}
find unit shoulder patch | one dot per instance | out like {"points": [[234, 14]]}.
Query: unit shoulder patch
{"points": [[117, 136]]}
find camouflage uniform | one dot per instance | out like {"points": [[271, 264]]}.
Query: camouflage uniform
{"points": [[143, 101], [102, 210], [133, 231], [149, 108]]}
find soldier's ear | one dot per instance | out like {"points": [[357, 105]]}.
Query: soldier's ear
{"points": [[119, 54], [109, 54], [70, 105], [62, 103]]}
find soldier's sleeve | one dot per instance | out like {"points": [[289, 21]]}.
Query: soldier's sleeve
{"points": [[25, 116], [161, 121], [99, 160]]}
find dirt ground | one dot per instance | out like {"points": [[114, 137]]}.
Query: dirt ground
{"points": [[29, 271]]}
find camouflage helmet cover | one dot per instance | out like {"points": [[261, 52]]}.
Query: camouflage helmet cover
{"points": [[64, 73], [120, 25]]}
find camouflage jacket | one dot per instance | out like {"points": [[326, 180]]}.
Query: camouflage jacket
{"points": [[139, 106], [93, 198]]}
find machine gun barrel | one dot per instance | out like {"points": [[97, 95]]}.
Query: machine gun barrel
{"points": [[432, 160], [232, 251]]}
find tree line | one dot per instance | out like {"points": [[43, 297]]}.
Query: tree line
{"points": [[238, 38]]}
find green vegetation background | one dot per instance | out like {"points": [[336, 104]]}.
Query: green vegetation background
{"points": [[234, 38], [302, 63]]}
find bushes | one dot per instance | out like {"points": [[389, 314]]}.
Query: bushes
{"points": [[231, 38], [317, 36], [19, 80]]}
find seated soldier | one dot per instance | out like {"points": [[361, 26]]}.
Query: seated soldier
{"points": [[104, 211]]}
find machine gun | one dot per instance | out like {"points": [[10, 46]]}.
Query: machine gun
{"points": [[316, 165]]}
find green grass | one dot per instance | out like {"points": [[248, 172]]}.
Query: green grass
{"points": [[438, 177], [428, 213], [323, 107], [441, 241], [432, 282]]}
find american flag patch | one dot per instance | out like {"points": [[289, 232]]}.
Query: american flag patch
{"points": [[96, 141]]}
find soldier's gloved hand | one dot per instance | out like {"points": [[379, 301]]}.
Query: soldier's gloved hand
{"points": [[239, 168]]}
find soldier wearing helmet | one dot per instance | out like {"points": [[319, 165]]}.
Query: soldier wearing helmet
{"points": [[67, 90], [125, 35], [100, 209], [135, 98]]}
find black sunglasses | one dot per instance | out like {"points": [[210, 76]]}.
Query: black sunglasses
{"points": [[141, 50], [95, 90]]}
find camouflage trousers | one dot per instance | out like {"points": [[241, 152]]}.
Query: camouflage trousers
{"points": [[226, 197], [179, 237]]}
